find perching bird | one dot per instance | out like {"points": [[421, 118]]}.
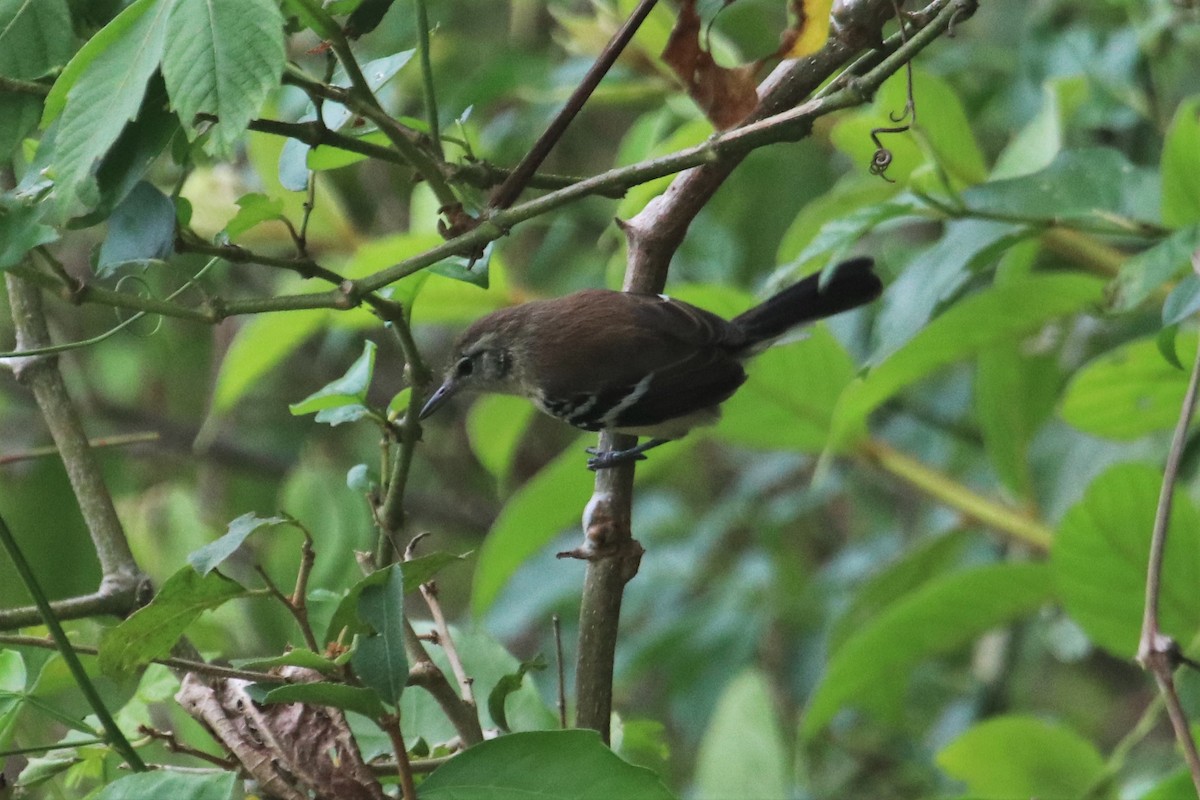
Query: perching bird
{"points": [[641, 364]]}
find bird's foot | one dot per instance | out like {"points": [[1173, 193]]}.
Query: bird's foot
{"points": [[607, 459]]}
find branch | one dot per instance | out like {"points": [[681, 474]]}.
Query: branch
{"points": [[424, 673], [1158, 653], [941, 487], [653, 236], [120, 573]]}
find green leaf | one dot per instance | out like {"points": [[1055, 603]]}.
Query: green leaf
{"points": [[166, 783], [848, 196], [416, 571], [297, 158], [209, 557], [12, 692], [1101, 552], [259, 345], [1128, 391], [996, 314], [222, 57], [1079, 184], [151, 631], [549, 765], [782, 405], [102, 90], [495, 425], [335, 695], [1018, 756], [1035, 146], [348, 390], [379, 659], [298, 657], [1015, 393], [142, 228], [19, 114], [253, 209], [940, 617], [922, 563], [21, 230], [36, 37], [1183, 301], [535, 514], [1141, 275], [936, 275], [1177, 787], [507, 685], [366, 17], [543, 507], [743, 753], [1180, 166]]}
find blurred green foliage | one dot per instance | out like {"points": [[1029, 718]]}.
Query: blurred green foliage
{"points": [[847, 590]]}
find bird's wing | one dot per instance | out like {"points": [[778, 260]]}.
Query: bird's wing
{"points": [[618, 360]]}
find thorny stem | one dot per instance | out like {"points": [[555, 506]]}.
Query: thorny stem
{"points": [[1158, 653], [429, 592]]}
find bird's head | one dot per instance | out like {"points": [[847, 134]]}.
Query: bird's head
{"points": [[484, 361]]}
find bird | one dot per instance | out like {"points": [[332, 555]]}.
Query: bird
{"points": [[641, 364]]}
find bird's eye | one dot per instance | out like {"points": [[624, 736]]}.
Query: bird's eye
{"points": [[463, 368]]}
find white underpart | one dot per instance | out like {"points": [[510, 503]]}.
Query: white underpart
{"points": [[628, 400]]}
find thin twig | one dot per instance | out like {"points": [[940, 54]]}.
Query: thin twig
{"points": [[185, 664], [120, 440], [562, 674], [391, 726], [424, 673], [1158, 653], [115, 736], [510, 190], [431, 106], [175, 746], [430, 593]]}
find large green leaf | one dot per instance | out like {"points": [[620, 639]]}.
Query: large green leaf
{"points": [[495, 426], [260, 345], [1101, 553], [36, 37], [19, 114], [141, 228], [997, 314], [1181, 166], [549, 765], [222, 57], [1128, 391], [936, 275], [743, 753], [101, 90], [789, 398], [940, 617], [1085, 183], [167, 783], [1016, 756], [1035, 146], [151, 631]]}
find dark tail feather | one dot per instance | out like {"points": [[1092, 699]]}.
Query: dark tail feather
{"points": [[852, 284]]}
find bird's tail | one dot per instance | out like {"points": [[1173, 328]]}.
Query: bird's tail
{"points": [[852, 284]]}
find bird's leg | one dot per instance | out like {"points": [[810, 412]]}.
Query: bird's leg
{"points": [[612, 458]]}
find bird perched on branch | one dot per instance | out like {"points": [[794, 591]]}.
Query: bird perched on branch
{"points": [[640, 364]]}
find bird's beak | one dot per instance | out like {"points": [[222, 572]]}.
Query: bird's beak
{"points": [[443, 393]]}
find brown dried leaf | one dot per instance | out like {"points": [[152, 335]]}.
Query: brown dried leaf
{"points": [[726, 95], [292, 749]]}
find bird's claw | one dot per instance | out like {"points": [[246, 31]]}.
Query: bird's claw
{"points": [[607, 459]]}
